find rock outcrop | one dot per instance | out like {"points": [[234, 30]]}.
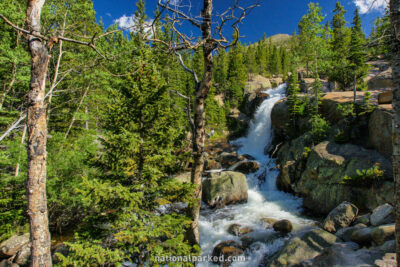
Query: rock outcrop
{"points": [[224, 188], [380, 130], [246, 167], [383, 214]]}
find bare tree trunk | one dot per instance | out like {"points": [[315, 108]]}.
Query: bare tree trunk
{"points": [[77, 109], [37, 139], [395, 20], [19, 154], [199, 120]]}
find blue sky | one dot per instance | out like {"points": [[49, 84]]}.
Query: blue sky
{"points": [[271, 17]]}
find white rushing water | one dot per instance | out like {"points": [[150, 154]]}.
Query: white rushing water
{"points": [[264, 199]]}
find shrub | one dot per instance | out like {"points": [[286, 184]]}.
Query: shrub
{"points": [[371, 176], [319, 128]]}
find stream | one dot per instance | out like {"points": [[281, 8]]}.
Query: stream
{"points": [[264, 199]]}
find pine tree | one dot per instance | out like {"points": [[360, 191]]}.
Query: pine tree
{"points": [[237, 75], [357, 55], [293, 96]]}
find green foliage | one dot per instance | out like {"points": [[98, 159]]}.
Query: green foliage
{"points": [[371, 176], [294, 101], [319, 129]]}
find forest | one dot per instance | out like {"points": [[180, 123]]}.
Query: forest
{"points": [[96, 122]]}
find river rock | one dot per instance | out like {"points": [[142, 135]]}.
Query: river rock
{"points": [[301, 248], [364, 219], [382, 215], [346, 254], [283, 226], [11, 246], [239, 230], [346, 233], [388, 247], [382, 233], [245, 167], [268, 221], [226, 249], [380, 130], [225, 188], [362, 236], [341, 216], [228, 159]]}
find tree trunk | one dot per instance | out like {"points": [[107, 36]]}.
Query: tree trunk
{"points": [[395, 20], [199, 120], [37, 138]]}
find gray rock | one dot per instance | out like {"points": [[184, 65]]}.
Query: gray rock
{"points": [[225, 188], [239, 230], [362, 236], [382, 215], [388, 247], [340, 217], [302, 248], [364, 219], [346, 255], [345, 233], [24, 255], [245, 167], [382, 233]]}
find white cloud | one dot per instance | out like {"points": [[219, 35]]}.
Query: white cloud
{"points": [[367, 6], [131, 22]]}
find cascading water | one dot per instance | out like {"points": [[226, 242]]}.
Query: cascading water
{"points": [[264, 200]]}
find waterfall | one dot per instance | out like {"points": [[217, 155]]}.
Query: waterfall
{"points": [[264, 200]]}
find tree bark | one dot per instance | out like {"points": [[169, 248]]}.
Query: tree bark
{"points": [[395, 21], [199, 134], [37, 139]]}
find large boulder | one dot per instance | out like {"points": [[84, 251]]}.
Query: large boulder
{"points": [[380, 130], [321, 183], [301, 248], [382, 215], [224, 250], [246, 166], [380, 76], [346, 233], [385, 97], [11, 246], [225, 188], [280, 117], [362, 236], [340, 217], [346, 254]]}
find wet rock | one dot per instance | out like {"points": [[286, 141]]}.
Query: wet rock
{"points": [[382, 215], [346, 254], [228, 159], [226, 249], [346, 233], [245, 167], [388, 247], [340, 217], [268, 221], [256, 236], [224, 188], [389, 260], [382, 233], [364, 219], [283, 226], [305, 247], [239, 230], [249, 157], [362, 236], [280, 117], [11, 246]]}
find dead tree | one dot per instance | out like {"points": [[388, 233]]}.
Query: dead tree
{"points": [[395, 22], [211, 25], [40, 48]]}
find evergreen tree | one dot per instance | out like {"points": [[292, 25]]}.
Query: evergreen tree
{"points": [[237, 75], [293, 96]]}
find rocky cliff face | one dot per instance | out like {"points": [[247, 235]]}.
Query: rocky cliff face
{"points": [[316, 172]]}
